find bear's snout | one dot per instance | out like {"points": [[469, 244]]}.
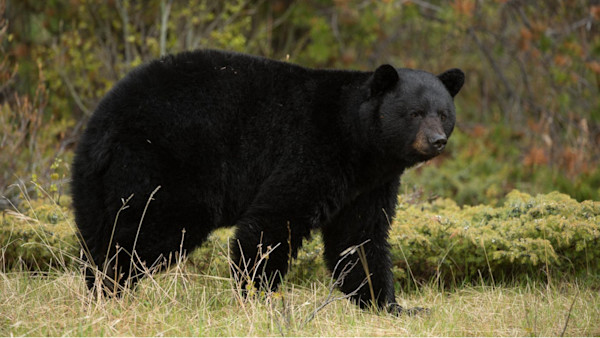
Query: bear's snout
{"points": [[431, 138], [438, 141]]}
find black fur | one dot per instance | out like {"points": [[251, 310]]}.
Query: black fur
{"points": [[233, 139]]}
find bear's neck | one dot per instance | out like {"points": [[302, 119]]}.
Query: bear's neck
{"points": [[372, 171], [342, 94]]}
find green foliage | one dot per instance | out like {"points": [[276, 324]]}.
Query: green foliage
{"points": [[478, 167], [528, 116], [525, 238], [532, 74], [533, 237], [212, 258], [40, 238], [320, 49]]}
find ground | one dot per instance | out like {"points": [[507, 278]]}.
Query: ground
{"points": [[182, 302]]}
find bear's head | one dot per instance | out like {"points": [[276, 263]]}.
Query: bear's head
{"points": [[410, 113]]}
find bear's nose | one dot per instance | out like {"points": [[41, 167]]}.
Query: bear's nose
{"points": [[439, 142]]}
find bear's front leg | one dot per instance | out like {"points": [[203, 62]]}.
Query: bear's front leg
{"points": [[283, 213], [366, 220]]}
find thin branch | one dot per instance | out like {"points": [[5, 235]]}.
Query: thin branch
{"points": [[425, 5], [347, 268], [486, 53], [340, 280], [165, 9], [121, 7], [74, 94], [151, 198], [562, 334]]}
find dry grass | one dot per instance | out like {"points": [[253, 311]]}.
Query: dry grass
{"points": [[179, 303], [186, 302]]}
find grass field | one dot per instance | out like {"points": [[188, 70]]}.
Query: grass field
{"points": [[197, 298], [180, 303]]}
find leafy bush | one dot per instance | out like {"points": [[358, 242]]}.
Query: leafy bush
{"points": [[533, 237], [526, 236], [38, 239]]}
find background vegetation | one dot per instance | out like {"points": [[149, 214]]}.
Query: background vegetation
{"points": [[529, 115], [528, 119]]}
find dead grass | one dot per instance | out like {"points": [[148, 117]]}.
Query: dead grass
{"points": [[179, 303], [185, 301]]}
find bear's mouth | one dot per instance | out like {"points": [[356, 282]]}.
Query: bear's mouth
{"points": [[430, 152], [427, 149]]}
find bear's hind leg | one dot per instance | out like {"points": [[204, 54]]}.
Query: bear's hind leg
{"points": [[153, 252], [149, 235]]}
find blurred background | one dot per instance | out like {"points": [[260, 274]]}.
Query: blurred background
{"points": [[528, 117]]}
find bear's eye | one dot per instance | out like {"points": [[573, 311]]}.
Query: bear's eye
{"points": [[415, 114], [443, 116]]}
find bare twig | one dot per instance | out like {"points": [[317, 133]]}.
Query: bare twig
{"points": [[122, 9], [425, 5], [165, 9], [339, 281], [562, 334], [112, 234], [151, 198], [486, 53], [74, 94], [365, 264], [247, 272]]}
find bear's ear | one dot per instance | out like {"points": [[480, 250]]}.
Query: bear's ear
{"points": [[453, 79], [384, 78]]}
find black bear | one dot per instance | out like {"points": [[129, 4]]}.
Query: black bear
{"points": [[209, 139]]}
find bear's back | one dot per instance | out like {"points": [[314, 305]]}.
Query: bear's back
{"points": [[202, 86]]}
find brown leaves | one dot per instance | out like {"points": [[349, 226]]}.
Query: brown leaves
{"points": [[464, 7], [595, 12], [525, 39], [594, 66], [535, 157], [572, 160], [562, 60]]}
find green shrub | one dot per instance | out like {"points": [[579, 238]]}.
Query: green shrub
{"points": [[212, 258], [38, 239], [526, 236]]}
